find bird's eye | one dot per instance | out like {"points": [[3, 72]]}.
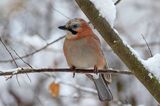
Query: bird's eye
{"points": [[75, 26]]}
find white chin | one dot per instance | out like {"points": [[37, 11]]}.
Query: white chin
{"points": [[69, 33]]}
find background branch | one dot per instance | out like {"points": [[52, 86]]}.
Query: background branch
{"points": [[50, 49], [32, 53], [118, 1]]}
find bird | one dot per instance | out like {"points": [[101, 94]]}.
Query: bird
{"points": [[82, 49]]}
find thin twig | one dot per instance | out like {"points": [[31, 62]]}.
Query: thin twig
{"points": [[143, 45], [23, 62], [17, 80], [12, 59], [14, 73], [27, 55], [21, 58], [118, 1], [150, 52], [85, 89], [134, 46], [9, 52], [84, 71], [61, 13], [15, 61], [32, 53]]}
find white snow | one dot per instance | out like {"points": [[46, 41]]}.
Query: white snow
{"points": [[153, 65], [107, 10], [150, 75], [135, 53]]}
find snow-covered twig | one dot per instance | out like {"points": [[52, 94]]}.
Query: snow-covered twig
{"points": [[85, 71]]}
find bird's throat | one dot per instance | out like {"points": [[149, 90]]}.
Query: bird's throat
{"points": [[69, 36], [72, 31]]}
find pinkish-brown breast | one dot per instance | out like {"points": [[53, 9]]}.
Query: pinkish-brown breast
{"points": [[83, 53]]}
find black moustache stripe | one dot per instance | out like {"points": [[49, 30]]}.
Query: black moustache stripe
{"points": [[72, 31]]}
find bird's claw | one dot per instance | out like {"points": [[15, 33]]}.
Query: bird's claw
{"points": [[73, 68], [95, 69]]}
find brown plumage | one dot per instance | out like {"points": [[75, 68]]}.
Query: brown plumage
{"points": [[82, 49]]}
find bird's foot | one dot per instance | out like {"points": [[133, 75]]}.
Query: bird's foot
{"points": [[73, 68], [95, 69]]}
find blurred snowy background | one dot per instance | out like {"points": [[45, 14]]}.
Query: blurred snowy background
{"points": [[27, 25]]}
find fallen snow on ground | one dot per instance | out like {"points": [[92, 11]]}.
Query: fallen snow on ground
{"points": [[107, 9]]}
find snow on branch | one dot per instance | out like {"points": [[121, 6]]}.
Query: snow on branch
{"points": [[107, 10], [97, 15], [153, 65], [84, 71]]}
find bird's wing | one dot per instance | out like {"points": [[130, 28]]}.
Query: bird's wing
{"points": [[108, 77], [96, 38]]}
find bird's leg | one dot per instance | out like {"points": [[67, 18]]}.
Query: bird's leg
{"points": [[73, 68], [95, 69]]}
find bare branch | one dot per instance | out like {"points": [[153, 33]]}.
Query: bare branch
{"points": [[32, 53], [144, 45], [60, 13], [23, 62], [124, 51], [84, 89], [150, 52], [117, 2], [84, 71], [21, 58], [9, 52]]}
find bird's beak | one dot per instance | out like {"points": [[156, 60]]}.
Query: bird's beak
{"points": [[68, 29], [63, 27]]}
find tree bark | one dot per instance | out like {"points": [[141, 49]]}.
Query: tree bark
{"points": [[25, 70], [121, 49]]}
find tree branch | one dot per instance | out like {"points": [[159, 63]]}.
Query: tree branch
{"points": [[117, 2], [32, 53], [122, 50], [50, 49], [84, 71]]}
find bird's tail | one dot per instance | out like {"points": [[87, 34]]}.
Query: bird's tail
{"points": [[103, 90]]}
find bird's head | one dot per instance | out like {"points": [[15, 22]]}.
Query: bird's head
{"points": [[76, 26]]}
